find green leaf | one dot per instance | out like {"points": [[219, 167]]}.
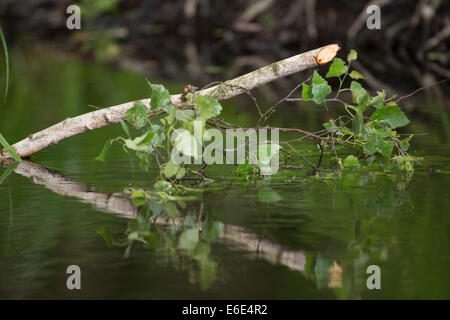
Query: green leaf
{"points": [[358, 122], [351, 161], [320, 88], [359, 94], [139, 197], [125, 128], [104, 153], [318, 79], [404, 144], [356, 75], [320, 91], [386, 148], [141, 143], [353, 55], [337, 68], [137, 115], [160, 98], [185, 115], [307, 92], [8, 148], [171, 169], [370, 146], [180, 173], [106, 234], [8, 171], [208, 107], [391, 115], [164, 186], [246, 170], [379, 100]]}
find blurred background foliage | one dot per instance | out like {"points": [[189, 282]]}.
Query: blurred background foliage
{"points": [[208, 40]]}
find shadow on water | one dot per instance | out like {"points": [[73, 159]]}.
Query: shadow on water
{"points": [[290, 236]]}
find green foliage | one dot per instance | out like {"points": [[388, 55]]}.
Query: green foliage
{"points": [[337, 68], [371, 130], [137, 115], [8, 148], [392, 115], [320, 88]]}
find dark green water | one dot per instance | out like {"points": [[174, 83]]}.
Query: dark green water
{"points": [[301, 239]]}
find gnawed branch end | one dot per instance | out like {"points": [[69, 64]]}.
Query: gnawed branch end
{"points": [[103, 117]]}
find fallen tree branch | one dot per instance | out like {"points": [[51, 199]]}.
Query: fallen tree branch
{"points": [[103, 117]]}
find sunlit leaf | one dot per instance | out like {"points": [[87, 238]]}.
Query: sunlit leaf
{"points": [[356, 75], [353, 55], [337, 68]]}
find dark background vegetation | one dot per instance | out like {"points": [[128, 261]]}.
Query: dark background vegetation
{"points": [[205, 40]]}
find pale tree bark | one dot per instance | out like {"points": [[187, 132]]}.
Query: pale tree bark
{"points": [[103, 117]]}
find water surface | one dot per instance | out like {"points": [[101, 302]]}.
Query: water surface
{"points": [[301, 238]]}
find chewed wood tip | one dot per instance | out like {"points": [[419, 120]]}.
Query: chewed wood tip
{"points": [[327, 54]]}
